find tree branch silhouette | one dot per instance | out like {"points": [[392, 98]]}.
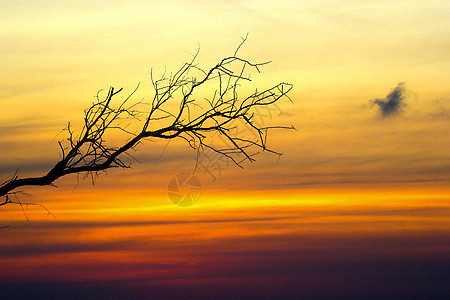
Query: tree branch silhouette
{"points": [[177, 110]]}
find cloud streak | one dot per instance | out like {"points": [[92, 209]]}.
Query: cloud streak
{"points": [[393, 102]]}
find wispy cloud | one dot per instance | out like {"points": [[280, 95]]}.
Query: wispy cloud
{"points": [[393, 102]]}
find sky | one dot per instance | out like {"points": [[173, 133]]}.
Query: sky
{"points": [[356, 206]]}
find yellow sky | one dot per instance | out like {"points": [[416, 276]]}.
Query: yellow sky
{"points": [[357, 205], [339, 55]]}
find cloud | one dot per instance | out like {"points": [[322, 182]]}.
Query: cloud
{"points": [[72, 225], [393, 102]]}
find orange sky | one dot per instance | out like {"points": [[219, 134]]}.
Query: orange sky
{"points": [[347, 173]]}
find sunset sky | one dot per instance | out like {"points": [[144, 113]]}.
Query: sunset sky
{"points": [[358, 205]]}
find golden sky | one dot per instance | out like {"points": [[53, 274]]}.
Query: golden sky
{"points": [[346, 166], [338, 55]]}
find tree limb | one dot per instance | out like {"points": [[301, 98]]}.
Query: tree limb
{"points": [[192, 120]]}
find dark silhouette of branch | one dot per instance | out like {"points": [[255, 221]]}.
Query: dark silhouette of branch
{"points": [[22, 204], [177, 110]]}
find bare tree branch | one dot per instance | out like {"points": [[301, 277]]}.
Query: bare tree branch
{"points": [[178, 110]]}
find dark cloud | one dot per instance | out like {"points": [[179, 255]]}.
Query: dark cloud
{"points": [[393, 102], [71, 225], [24, 167], [298, 265]]}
